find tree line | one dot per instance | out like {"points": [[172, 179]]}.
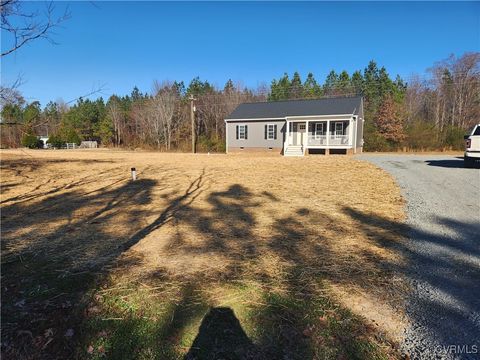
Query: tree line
{"points": [[422, 113]]}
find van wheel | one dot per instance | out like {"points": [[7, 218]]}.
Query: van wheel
{"points": [[468, 162]]}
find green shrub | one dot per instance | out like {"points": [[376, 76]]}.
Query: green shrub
{"points": [[31, 141], [207, 144], [71, 136], [221, 146], [55, 141], [454, 137], [422, 135], [374, 141]]}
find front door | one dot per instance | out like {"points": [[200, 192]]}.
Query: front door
{"points": [[299, 130], [297, 133]]}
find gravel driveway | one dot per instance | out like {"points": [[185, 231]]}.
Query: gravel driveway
{"points": [[443, 252]]}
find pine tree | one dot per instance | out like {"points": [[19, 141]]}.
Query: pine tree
{"points": [[400, 89], [229, 88], [11, 113], [198, 87], [311, 89], [284, 87], [280, 90], [32, 112], [273, 95], [385, 84], [371, 78], [180, 88], [136, 94], [296, 87], [357, 82], [330, 83], [344, 84]]}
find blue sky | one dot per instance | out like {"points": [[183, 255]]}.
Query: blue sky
{"points": [[122, 44]]}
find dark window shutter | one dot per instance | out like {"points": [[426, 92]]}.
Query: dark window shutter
{"points": [[246, 132], [266, 129], [237, 131], [275, 132]]}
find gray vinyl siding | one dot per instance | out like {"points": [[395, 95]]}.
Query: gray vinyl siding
{"points": [[256, 134]]}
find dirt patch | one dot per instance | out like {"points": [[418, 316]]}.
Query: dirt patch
{"points": [[266, 236]]}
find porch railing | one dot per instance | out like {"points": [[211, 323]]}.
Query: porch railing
{"points": [[317, 139], [321, 140]]}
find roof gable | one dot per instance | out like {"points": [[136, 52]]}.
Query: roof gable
{"points": [[282, 109]]}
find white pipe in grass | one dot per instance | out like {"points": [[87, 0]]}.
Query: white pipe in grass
{"points": [[134, 174]]}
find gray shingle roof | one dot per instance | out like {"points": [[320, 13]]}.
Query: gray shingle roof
{"points": [[281, 109]]}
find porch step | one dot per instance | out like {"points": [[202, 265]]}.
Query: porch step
{"points": [[294, 150]]}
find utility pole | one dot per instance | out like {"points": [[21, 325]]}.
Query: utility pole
{"points": [[192, 117]]}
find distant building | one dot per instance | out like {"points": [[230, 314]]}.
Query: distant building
{"points": [[44, 140], [88, 145]]}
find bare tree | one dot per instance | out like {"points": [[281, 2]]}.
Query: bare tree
{"points": [[456, 85], [116, 115], [162, 109], [141, 125], [24, 26], [466, 88], [10, 95], [214, 106]]}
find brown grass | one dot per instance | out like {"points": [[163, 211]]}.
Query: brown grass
{"points": [[194, 231]]}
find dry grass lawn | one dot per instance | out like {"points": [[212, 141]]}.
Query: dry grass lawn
{"points": [[204, 256]]}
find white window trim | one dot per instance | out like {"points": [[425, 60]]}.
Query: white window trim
{"points": [[244, 132], [338, 123], [268, 131], [318, 134]]}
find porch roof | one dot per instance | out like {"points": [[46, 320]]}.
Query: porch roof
{"points": [[283, 109]]}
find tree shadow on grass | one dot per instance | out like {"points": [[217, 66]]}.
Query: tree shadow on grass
{"points": [[37, 192], [70, 247], [285, 318], [287, 322], [55, 251]]}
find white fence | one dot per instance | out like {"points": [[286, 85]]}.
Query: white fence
{"points": [[83, 145]]}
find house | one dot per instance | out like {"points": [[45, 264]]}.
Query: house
{"points": [[297, 127], [44, 139]]}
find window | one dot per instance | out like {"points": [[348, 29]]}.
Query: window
{"points": [[302, 126], [338, 129], [270, 132], [242, 132], [319, 130]]}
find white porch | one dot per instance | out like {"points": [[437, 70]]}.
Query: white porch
{"points": [[334, 132]]}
